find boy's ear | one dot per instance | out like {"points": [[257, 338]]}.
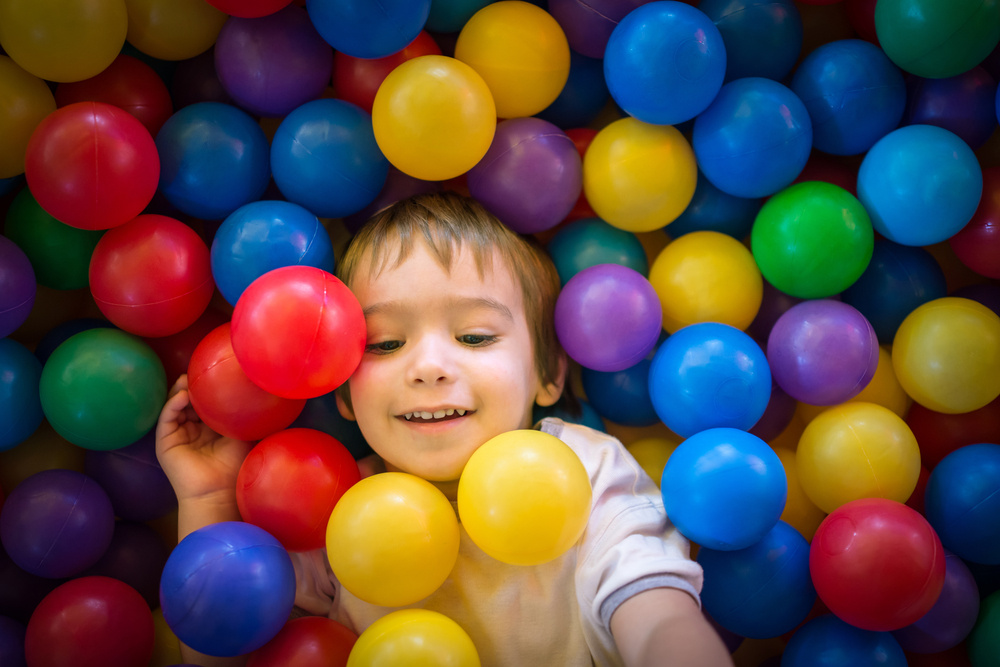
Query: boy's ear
{"points": [[343, 405], [549, 393]]}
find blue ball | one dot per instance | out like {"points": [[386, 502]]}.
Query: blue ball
{"points": [[709, 375], [762, 37], [920, 185], [855, 95], [213, 159], [754, 139], [588, 242], [664, 62], [20, 405], [325, 158], [898, 279], [712, 210], [265, 235], [621, 397], [582, 98], [724, 488], [962, 502], [762, 591], [366, 29], [227, 589], [830, 642]]}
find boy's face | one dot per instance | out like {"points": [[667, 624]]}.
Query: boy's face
{"points": [[448, 364]]}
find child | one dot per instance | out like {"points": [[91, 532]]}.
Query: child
{"points": [[460, 347]]}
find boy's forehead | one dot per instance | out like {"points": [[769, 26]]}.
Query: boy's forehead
{"points": [[462, 257]]}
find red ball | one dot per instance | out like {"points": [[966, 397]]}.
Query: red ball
{"points": [[356, 80], [175, 350], [127, 83], [249, 9], [92, 165], [877, 564], [977, 245], [861, 15], [581, 137], [298, 332], [152, 277], [90, 622], [225, 398], [940, 434], [310, 641], [289, 483]]}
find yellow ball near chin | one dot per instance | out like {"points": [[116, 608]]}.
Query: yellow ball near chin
{"points": [[524, 497], [414, 638]]}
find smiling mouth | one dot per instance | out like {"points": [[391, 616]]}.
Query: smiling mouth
{"points": [[434, 417]]}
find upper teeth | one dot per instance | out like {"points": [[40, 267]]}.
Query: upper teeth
{"points": [[437, 414]]}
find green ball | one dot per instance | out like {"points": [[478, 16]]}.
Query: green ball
{"points": [[984, 641], [103, 389], [937, 39], [812, 240], [59, 254]]}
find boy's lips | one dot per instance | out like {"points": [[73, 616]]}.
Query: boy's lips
{"points": [[434, 416]]}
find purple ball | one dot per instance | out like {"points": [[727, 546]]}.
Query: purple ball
{"points": [[531, 176], [589, 24], [133, 479], [12, 642], [951, 618], [135, 556], [56, 523], [273, 64], [777, 416], [822, 352], [17, 287], [964, 104], [608, 317], [772, 306]]}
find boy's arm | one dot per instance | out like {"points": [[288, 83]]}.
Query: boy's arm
{"points": [[665, 626]]}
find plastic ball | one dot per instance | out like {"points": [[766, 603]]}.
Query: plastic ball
{"points": [[855, 95], [433, 117], [151, 276], [290, 482], [366, 30], [272, 64], [937, 38], [414, 637], [984, 642], [939, 434], [588, 26], [173, 29], [195, 80], [608, 317], [309, 641], [652, 455], [392, 539], [920, 184], [777, 415], [822, 352], [92, 165], [27, 101], [857, 450], [947, 355], [136, 556], [524, 497], [800, 512], [877, 564], [531, 176], [398, 186], [102, 389], [520, 51], [897, 279], [56, 523], [762, 37], [175, 351], [588, 242], [265, 235], [84, 40], [951, 618], [298, 332], [664, 62], [133, 479], [762, 590], [960, 502], [321, 413], [709, 375], [724, 488], [706, 277], [214, 159], [20, 406], [754, 139], [621, 397], [227, 589], [884, 388], [12, 634], [583, 97], [357, 80], [829, 641], [964, 104], [712, 210], [977, 245], [90, 622], [17, 280], [249, 8], [812, 240], [639, 177]]}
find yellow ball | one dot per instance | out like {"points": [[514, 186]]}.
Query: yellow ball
{"points": [[946, 354], [524, 497], [414, 638], [63, 40], [707, 277], [857, 450], [434, 117], [25, 100], [521, 52], [652, 454], [639, 177], [173, 29], [800, 512], [392, 539]]}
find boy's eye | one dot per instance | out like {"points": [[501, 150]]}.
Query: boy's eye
{"points": [[476, 340], [383, 347]]}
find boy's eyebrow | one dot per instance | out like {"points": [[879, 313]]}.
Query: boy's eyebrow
{"points": [[460, 302]]}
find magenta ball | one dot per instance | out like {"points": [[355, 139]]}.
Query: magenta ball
{"points": [[531, 176], [608, 317], [272, 64], [822, 352]]}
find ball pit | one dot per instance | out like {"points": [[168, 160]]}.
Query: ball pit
{"points": [[960, 502], [414, 637], [368, 30], [17, 278], [20, 405], [357, 80], [30, 101]]}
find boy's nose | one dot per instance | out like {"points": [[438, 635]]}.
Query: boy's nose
{"points": [[431, 364]]}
